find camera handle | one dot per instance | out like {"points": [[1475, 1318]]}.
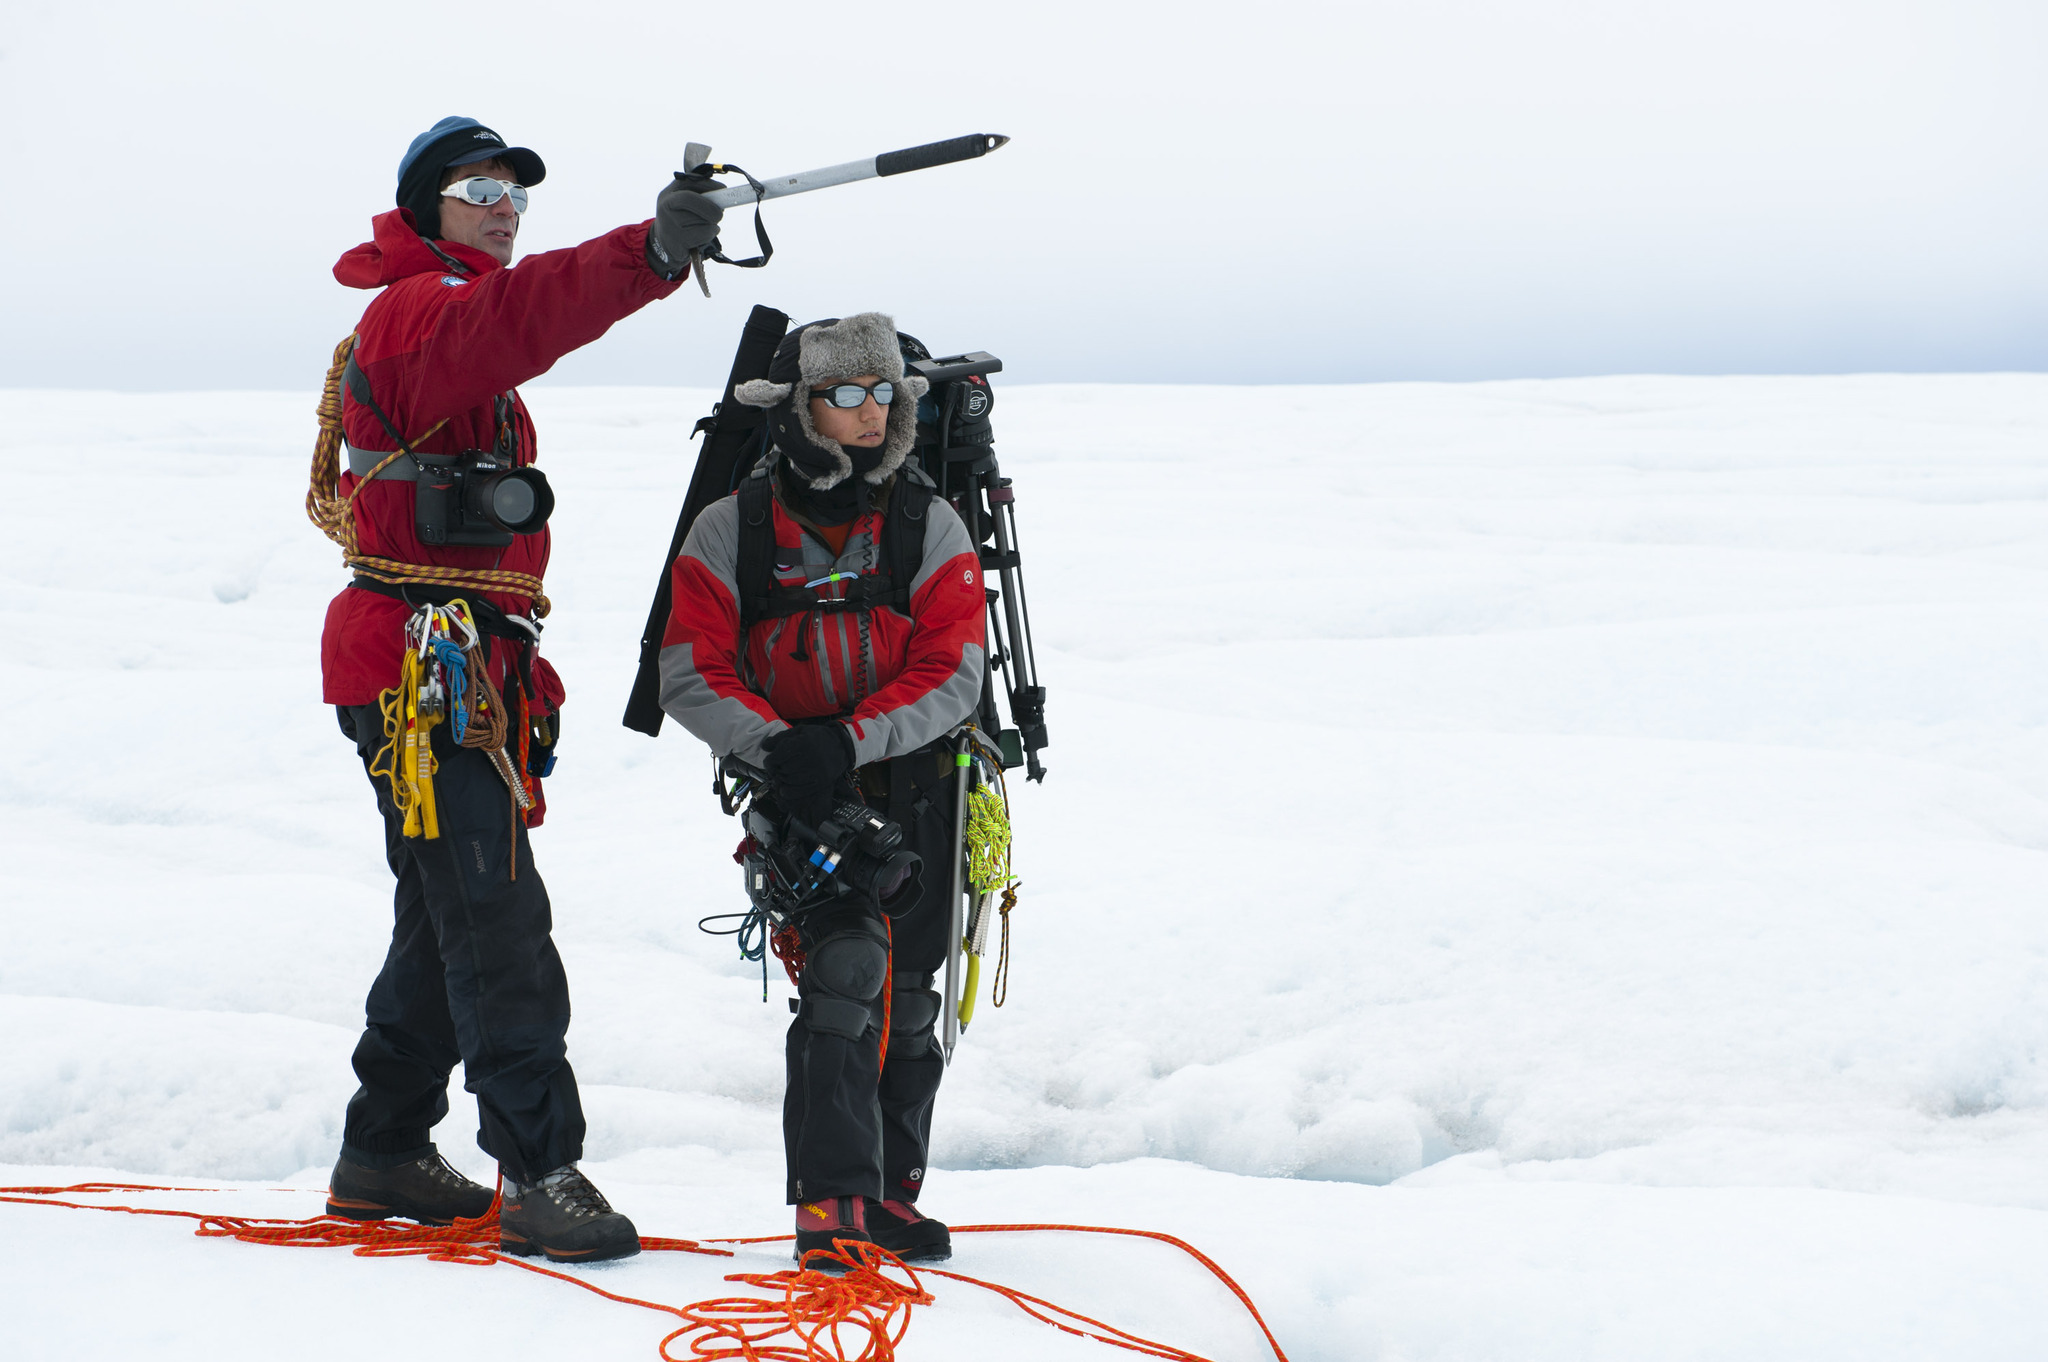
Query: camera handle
{"points": [[745, 778]]}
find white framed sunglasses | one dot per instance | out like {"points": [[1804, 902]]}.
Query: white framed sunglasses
{"points": [[483, 191]]}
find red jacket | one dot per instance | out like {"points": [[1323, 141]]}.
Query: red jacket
{"points": [[438, 343], [923, 670]]}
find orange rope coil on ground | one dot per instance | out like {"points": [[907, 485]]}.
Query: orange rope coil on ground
{"points": [[335, 514], [867, 1304]]}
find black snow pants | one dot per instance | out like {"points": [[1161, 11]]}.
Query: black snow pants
{"points": [[472, 974], [851, 1126]]}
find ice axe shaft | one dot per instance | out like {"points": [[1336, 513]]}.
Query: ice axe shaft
{"points": [[888, 163], [956, 926], [697, 159]]}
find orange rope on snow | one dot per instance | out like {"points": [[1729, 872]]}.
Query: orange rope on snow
{"points": [[1026, 1302], [819, 1310], [866, 1305], [1122, 1339]]}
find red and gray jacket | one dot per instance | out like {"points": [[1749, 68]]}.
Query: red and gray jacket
{"points": [[898, 678], [453, 331]]}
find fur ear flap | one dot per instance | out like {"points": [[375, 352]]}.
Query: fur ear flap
{"points": [[759, 392], [917, 385]]}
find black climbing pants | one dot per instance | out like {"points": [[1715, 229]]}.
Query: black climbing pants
{"points": [[472, 974], [850, 1127]]}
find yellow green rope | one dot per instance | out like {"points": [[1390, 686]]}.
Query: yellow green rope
{"points": [[988, 840]]}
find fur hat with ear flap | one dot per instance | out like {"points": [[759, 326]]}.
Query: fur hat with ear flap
{"points": [[810, 356]]}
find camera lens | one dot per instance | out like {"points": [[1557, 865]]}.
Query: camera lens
{"points": [[897, 881], [518, 501], [512, 501]]}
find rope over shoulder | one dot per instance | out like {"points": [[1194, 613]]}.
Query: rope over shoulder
{"points": [[334, 513]]}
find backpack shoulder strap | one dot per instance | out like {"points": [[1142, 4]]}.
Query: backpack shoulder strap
{"points": [[909, 511], [754, 572]]}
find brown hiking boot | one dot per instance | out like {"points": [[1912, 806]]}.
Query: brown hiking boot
{"points": [[564, 1217], [426, 1190]]}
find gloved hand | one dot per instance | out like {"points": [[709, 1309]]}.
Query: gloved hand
{"points": [[684, 221], [805, 764]]}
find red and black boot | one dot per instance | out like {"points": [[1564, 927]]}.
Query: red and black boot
{"points": [[819, 1223], [899, 1227]]}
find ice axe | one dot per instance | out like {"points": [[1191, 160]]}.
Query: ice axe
{"points": [[697, 161]]}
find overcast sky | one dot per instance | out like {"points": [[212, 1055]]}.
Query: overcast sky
{"points": [[1252, 192]]}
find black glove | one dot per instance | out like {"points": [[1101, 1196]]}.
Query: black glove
{"points": [[805, 766], [684, 221]]}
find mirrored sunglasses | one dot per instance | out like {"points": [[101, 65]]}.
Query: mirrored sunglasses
{"points": [[483, 191], [851, 395]]}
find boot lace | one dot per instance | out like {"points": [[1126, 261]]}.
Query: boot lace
{"points": [[437, 1169], [569, 1189]]}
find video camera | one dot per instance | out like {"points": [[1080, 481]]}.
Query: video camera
{"points": [[791, 867], [956, 448]]}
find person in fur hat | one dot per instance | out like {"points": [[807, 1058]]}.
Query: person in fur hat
{"points": [[837, 705]]}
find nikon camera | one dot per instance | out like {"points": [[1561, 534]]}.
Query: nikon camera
{"points": [[478, 498]]}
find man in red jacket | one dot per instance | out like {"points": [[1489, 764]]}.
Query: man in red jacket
{"points": [[814, 692], [472, 973]]}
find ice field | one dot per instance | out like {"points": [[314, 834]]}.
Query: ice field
{"points": [[1536, 870]]}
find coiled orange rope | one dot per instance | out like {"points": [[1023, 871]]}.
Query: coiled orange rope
{"points": [[865, 1306]]}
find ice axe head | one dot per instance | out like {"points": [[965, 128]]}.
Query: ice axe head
{"points": [[695, 156]]}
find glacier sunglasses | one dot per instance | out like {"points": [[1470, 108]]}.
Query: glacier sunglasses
{"points": [[483, 191], [851, 395]]}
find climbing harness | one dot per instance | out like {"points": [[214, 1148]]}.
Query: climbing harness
{"points": [[446, 662], [858, 1313], [443, 678]]}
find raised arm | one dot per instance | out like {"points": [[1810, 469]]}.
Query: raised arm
{"points": [[510, 325]]}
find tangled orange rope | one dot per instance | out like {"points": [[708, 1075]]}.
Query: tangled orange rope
{"points": [[866, 1303]]}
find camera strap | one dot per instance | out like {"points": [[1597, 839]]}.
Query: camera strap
{"points": [[359, 388], [381, 463]]}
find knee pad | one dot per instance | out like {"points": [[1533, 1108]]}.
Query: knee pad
{"points": [[843, 979], [842, 1017], [850, 963], [913, 1012]]}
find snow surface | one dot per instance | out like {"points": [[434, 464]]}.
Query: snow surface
{"points": [[1537, 870]]}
